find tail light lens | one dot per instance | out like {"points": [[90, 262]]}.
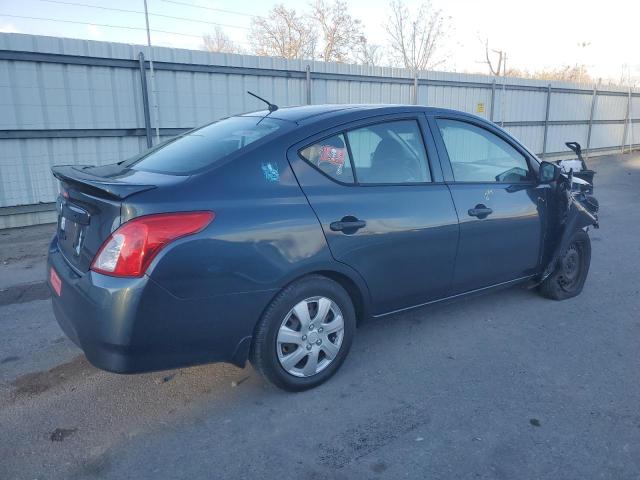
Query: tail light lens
{"points": [[129, 250]]}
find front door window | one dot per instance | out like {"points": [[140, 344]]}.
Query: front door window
{"points": [[478, 155]]}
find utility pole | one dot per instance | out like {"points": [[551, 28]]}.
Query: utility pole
{"points": [[499, 70], [154, 96], [503, 55]]}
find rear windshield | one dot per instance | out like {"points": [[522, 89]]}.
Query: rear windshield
{"points": [[205, 146]]}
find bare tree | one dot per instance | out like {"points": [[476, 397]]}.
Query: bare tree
{"points": [[367, 53], [283, 33], [341, 33], [497, 66], [218, 41], [567, 73], [415, 37]]}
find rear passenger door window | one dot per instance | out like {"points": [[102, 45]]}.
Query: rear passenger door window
{"points": [[389, 153], [478, 155], [330, 156]]}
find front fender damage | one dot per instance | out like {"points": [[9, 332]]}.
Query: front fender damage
{"points": [[580, 211]]}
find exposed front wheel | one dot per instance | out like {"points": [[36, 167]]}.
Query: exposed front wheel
{"points": [[568, 278], [305, 334]]}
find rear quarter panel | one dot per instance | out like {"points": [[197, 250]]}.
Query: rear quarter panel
{"points": [[264, 234]]}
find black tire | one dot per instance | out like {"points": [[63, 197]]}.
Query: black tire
{"points": [[264, 348], [567, 280]]}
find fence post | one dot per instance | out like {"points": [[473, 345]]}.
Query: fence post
{"points": [[493, 98], [145, 99], [626, 122], [308, 84], [415, 87], [593, 109], [426, 91], [503, 99], [546, 122], [631, 139]]}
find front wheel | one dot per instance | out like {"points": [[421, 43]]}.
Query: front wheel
{"points": [[568, 278], [305, 334]]}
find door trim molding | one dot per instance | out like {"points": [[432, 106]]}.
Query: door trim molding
{"points": [[459, 295]]}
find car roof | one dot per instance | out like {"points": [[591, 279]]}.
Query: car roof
{"points": [[310, 113]]}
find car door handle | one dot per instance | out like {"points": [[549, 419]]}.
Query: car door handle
{"points": [[480, 211], [347, 225]]}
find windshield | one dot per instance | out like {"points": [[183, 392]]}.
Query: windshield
{"points": [[205, 146]]}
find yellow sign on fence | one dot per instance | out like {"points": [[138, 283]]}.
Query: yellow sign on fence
{"points": [[480, 107]]}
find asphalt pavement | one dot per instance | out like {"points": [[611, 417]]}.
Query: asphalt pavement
{"points": [[508, 385]]}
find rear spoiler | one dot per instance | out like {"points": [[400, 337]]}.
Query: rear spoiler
{"points": [[99, 186]]}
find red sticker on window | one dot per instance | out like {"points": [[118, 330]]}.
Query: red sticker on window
{"points": [[332, 155]]}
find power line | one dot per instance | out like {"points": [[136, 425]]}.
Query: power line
{"points": [[106, 25], [113, 9], [96, 24], [233, 12]]}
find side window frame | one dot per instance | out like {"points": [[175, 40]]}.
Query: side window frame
{"points": [[424, 145], [430, 148], [446, 161]]}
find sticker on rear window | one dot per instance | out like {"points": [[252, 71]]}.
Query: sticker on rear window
{"points": [[332, 155]]}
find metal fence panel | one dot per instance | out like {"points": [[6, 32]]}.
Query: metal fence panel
{"points": [[603, 134], [570, 106], [559, 134], [531, 136], [610, 107], [78, 101], [522, 105]]}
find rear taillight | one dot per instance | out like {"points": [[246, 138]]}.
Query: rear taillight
{"points": [[130, 249]]}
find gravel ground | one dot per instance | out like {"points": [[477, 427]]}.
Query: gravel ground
{"points": [[23, 253], [507, 385]]}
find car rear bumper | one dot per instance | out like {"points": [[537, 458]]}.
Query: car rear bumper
{"points": [[134, 325]]}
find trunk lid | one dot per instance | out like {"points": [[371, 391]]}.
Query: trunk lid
{"points": [[90, 204]]}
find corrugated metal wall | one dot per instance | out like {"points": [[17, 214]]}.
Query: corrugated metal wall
{"points": [[76, 101]]}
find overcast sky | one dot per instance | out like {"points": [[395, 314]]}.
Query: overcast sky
{"points": [[536, 34]]}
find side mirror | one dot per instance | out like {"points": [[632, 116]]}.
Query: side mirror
{"points": [[548, 172]]}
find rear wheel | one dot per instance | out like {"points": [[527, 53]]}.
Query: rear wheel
{"points": [[568, 278], [305, 334]]}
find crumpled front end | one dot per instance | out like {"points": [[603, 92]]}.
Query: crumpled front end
{"points": [[578, 210]]}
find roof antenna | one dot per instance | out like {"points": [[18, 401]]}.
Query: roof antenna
{"points": [[272, 106]]}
